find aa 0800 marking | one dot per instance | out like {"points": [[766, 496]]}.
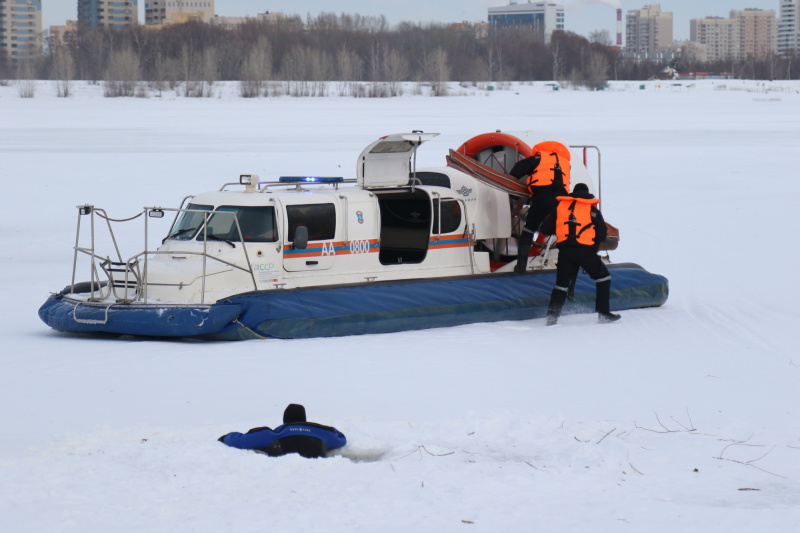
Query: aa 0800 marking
{"points": [[359, 246]]}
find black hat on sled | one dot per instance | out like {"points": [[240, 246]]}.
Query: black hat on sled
{"points": [[294, 413]]}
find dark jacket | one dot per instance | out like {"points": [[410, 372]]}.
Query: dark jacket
{"points": [[525, 166], [296, 435], [548, 226], [305, 438]]}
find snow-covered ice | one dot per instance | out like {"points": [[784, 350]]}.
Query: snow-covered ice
{"points": [[679, 418]]}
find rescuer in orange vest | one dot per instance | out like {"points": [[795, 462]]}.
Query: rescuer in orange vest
{"points": [[579, 229], [547, 172]]}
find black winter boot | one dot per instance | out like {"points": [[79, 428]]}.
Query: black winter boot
{"points": [[557, 299], [603, 305], [605, 318], [603, 297], [523, 251]]}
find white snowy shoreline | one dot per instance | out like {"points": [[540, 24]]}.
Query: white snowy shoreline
{"points": [[680, 418]]}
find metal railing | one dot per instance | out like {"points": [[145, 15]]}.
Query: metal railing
{"points": [[127, 279]]}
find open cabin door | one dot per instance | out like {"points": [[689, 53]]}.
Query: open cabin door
{"points": [[389, 161]]}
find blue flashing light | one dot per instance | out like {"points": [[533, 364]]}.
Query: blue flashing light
{"points": [[310, 179]]}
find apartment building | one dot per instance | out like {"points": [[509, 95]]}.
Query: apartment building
{"points": [[93, 14], [65, 34], [788, 38], [746, 33], [717, 35], [758, 31], [158, 12], [20, 28], [648, 31]]}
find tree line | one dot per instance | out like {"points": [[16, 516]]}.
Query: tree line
{"points": [[363, 55]]}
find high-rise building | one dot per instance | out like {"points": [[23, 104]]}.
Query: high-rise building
{"points": [[157, 12], [541, 18], [758, 30], [93, 14], [20, 28], [717, 34], [648, 31], [64, 35], [789, 27], [747, 33]]}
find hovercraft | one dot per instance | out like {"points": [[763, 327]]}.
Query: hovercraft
{"points": [[395, 249]]}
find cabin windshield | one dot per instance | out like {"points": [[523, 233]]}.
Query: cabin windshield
{"points": [[189, 222], [256, 222]]}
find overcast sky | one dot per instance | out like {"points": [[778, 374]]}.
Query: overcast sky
{"points": [[581, 16]]}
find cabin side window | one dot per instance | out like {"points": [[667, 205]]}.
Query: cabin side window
{"points": [[257, 224], [451, 216], [319, 219], [437, 179]]}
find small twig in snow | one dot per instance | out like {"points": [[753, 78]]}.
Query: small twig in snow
{"points": [[751, 461], [662, 425], [691, 424], [631, 465], [435, 454], [421, 448], [690, 429], [606, 435]]}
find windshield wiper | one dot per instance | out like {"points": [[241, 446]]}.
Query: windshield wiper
{"points": [[183, 231], [213, 237]]}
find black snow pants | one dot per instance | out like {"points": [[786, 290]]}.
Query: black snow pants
{"points": [[570, 260]]}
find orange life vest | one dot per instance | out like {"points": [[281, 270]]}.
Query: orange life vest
{"points": [[574, 221], [555, 158]]}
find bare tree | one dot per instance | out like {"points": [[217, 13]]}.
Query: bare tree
{"points": [[558, 58], [396, 71], [26, 82], [188, 66], [597, 68], [93, 50], [123, 74], [347, 70], [208, 72], [440, 71], [688, 57], [162, 73], [257, 69], [62, 70], [494, 63], [306, 70], [377, 60], [601, 37]]}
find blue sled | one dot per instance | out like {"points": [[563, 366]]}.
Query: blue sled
{"points": [[342, 310]]}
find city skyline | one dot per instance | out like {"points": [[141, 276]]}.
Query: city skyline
{"points": [[581, 16]]}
